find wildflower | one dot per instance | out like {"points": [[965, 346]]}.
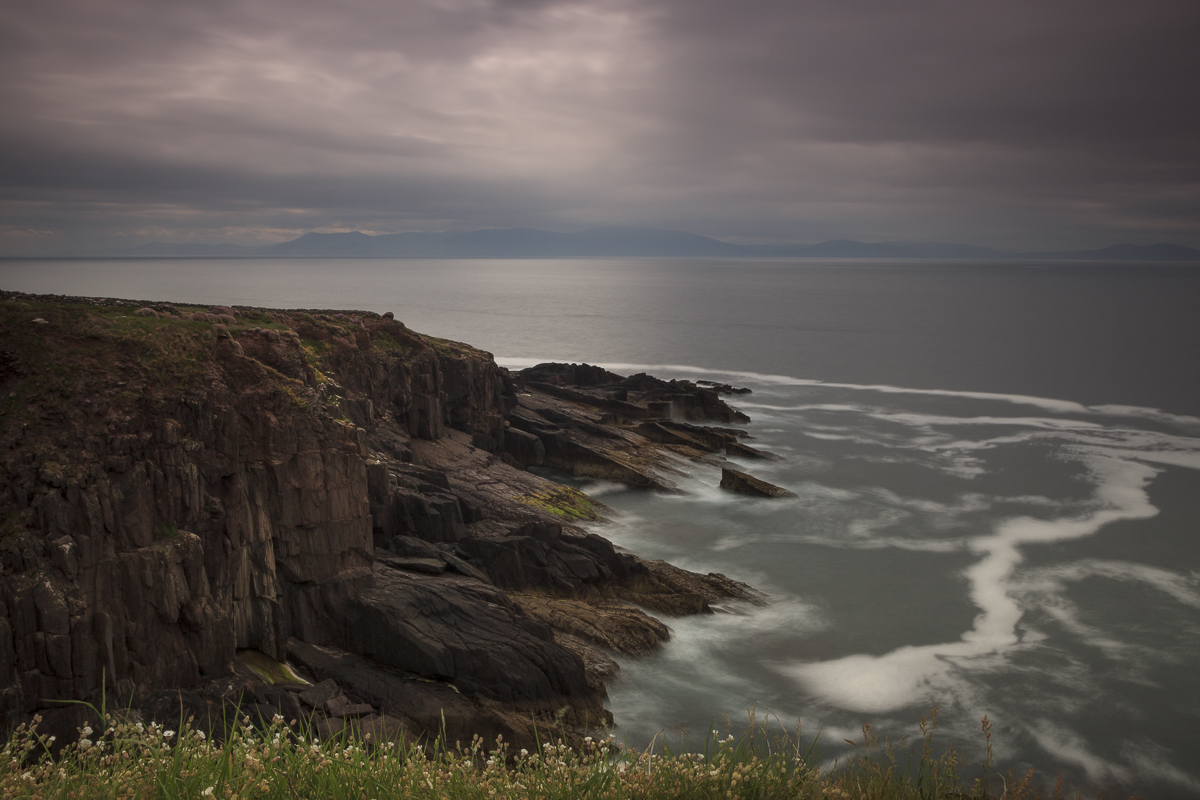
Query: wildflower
{"points": [[207, 792], [87, 731], [141, 728], [85, 744], [28, 776], [168, 734], [50, 739], [200, 735], [524, 752]]}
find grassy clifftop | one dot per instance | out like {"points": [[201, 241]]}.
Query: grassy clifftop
{"points": [[132, 760]]}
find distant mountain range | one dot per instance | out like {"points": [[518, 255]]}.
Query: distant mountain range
{"points": [[615, 242]]}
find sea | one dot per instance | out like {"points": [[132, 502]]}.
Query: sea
{"points": [[996, 467]]}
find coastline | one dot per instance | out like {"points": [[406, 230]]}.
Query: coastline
{"points": [[244, 487]]}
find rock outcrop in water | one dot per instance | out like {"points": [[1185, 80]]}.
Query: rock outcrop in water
{"points": [[194, 496], [735, 480]]}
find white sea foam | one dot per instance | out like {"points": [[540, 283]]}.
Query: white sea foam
{"points": [[1153, 759], [1072, 748], [599, 488], [1183, 588], [915, 674], [1067, 615]]}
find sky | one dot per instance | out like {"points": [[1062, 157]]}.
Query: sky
{"points": [[1019, 125]]}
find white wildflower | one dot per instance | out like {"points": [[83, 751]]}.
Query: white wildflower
{"points": [[200, 735], [28, 776], [207, 792], [168, 734], [85, 744], [87, 731]]}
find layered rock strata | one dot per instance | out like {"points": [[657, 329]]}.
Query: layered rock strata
{"points": [[186, 490]]}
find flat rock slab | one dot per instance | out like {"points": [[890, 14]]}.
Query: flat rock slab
{"points": [[321, 694], [410, 705], [453, 628], [429, 566], [342, 707], [737, 481], [746, 451]]}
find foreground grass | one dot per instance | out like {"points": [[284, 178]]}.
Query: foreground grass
{"points": [[135, 761]]}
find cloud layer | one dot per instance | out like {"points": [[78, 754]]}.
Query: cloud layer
{"points": [[1015, 125]]}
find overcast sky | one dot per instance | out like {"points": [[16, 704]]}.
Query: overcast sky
{"points": [[1013, 124]]}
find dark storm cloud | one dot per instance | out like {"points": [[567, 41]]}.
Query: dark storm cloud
{"points": [[1015, 124]]}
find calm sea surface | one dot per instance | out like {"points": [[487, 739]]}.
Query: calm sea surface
{"points": [[997, 468]]}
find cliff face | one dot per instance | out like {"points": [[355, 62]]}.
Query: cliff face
{"points": [[174, 493], [187, 490]]}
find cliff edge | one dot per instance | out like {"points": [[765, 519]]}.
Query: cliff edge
{"points": [[322, 514]]}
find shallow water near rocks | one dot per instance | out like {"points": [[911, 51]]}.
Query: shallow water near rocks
{"points": [[997, 468]]}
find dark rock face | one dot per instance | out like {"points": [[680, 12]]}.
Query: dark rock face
{"points": [[737, 481], [332, 487], [176, 545], [455, 628], [538, 556]]}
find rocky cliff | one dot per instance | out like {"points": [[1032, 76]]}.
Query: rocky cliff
{"points": [[190, 492]]}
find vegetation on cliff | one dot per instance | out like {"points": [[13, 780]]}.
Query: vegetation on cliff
{"points": [[133, 760]]}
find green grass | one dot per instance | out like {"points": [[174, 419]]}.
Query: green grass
{"points": [[382, 340], [129, 760]]}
